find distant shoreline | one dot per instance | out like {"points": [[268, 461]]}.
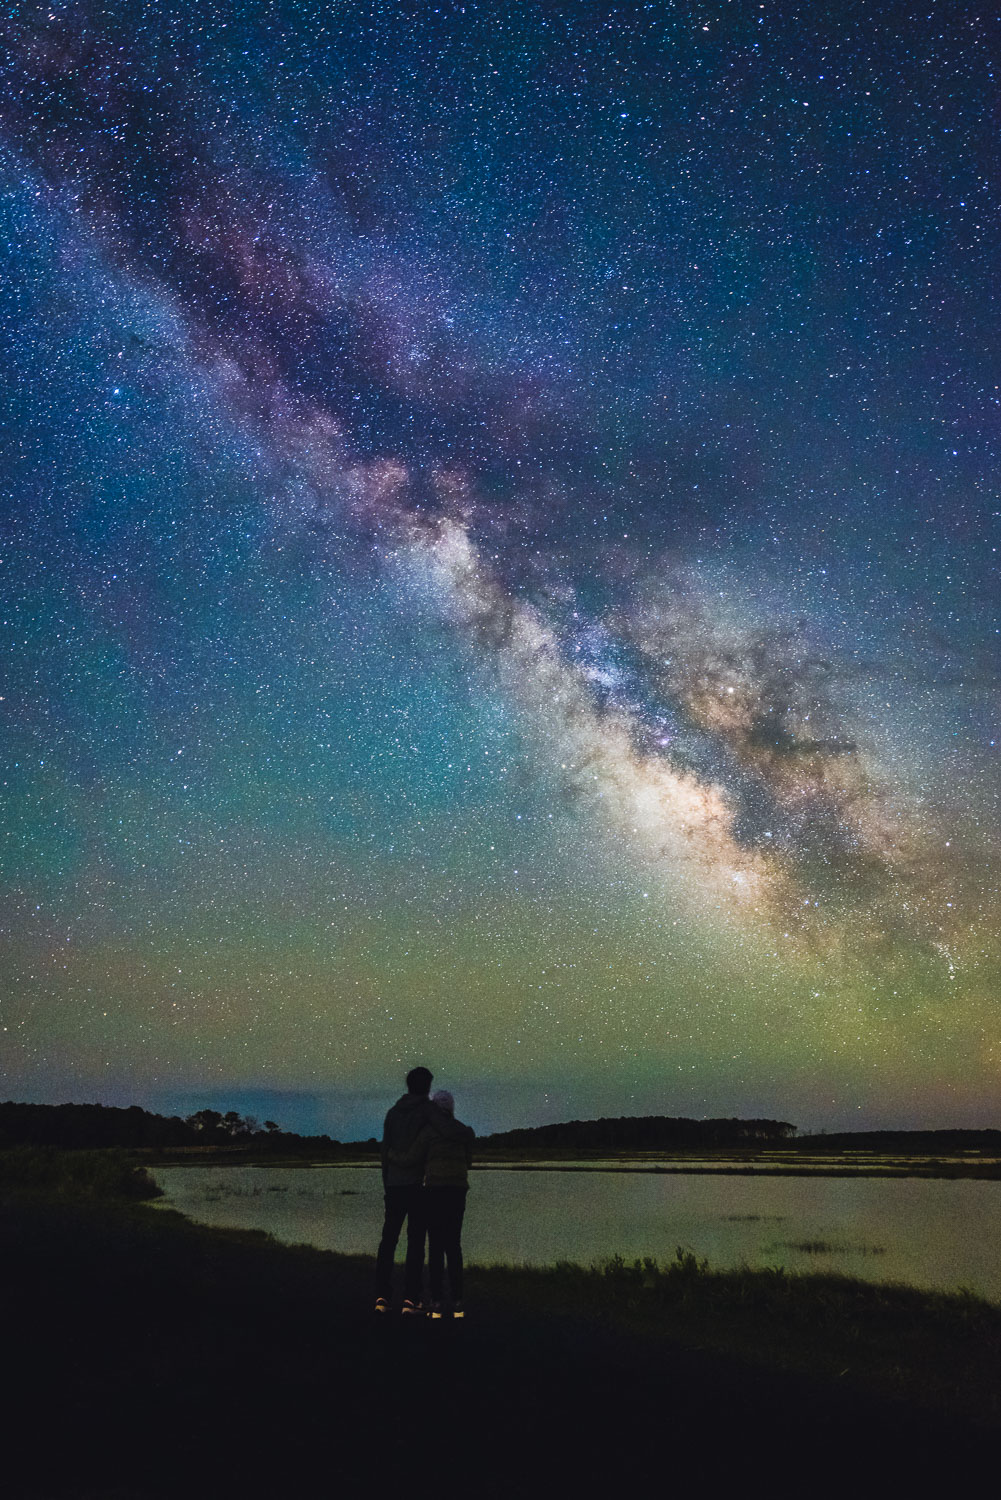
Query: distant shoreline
{"points": [[626, 1142], [862, 1164]]}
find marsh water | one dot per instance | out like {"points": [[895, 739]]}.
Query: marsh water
{"points": [[931, 1233]]}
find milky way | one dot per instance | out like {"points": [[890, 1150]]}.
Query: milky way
{"points": [[500, 519]]}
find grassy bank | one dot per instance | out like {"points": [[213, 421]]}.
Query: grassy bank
{"points": [[108, 1175], [937, 1352], [158, 1349]]}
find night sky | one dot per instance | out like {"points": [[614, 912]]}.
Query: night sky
{"points": [[499, 558]]}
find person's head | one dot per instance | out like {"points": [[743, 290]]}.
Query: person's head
{"points": [[444, 1101], [419, 1081]]}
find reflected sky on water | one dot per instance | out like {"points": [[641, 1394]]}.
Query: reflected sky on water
{"points": [[927, 1232]]}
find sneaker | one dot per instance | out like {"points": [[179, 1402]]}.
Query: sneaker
{"points": [[381, 1305], [411, 1307], [458, 1311]]}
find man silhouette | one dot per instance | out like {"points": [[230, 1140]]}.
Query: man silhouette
{"points": [[404, 1195]]}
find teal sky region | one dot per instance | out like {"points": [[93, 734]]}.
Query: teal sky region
{"points": [[499, 559]]}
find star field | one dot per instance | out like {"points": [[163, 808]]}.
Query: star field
{"points": [[499, 555]]}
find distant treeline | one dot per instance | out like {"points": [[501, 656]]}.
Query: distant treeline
{"points": [[90, 1126], [904, 1142], [87, 1126], [644, 1133]]}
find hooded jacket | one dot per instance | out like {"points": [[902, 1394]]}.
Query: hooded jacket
{"points": [[402, 1126], [441, 1154]]}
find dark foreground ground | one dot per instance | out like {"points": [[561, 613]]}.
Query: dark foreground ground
{"points": [[151, 1357]]}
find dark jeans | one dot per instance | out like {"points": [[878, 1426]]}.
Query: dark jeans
{"points": [[402, 1203], [445, 1208]]}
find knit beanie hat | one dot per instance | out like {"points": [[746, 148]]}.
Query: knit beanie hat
{"points": [[444, 1101]]}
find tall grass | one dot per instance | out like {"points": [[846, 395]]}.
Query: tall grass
{"points": [[74, 1174], [936, 1350]]}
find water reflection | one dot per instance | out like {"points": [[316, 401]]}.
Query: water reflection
{"points": [[928, 1232]]}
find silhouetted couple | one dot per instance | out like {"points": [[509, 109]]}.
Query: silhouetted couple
{"points": [[426, 1155]]}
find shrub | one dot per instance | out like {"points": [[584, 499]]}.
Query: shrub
{"points": [[90, 1174]]}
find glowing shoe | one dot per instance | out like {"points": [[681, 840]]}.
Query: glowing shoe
{"points": [[381, 1305]]}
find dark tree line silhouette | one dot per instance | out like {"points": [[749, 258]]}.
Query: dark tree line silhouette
{"points": [[646, 1133], [95, 1125], [90, 1126]]}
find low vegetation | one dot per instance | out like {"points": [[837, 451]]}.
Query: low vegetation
{"points": [[828, 1247], [939, 1351], [74, 1174]]}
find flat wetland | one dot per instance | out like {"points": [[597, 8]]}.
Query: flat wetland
{"points": [[172, 1357], [772, 1162], [933, 1228]]}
